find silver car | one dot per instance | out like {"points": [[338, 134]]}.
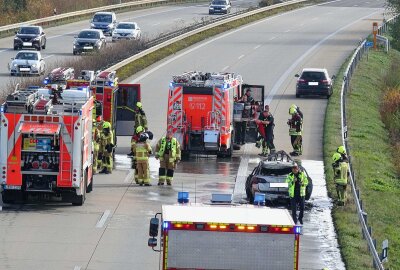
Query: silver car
{"points": [[126, 30], [27, 62]]}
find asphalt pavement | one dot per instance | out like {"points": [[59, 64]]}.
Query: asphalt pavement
{"points": [[110, 230]]}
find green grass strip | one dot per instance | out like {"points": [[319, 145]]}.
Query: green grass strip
{"points": [[372, 160]]}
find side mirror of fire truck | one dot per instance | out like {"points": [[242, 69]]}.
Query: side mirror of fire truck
{"points": [[153, 232]]}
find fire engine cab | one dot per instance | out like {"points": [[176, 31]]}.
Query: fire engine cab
{"points": [[201, 111], [45, 144], [225, 236]]}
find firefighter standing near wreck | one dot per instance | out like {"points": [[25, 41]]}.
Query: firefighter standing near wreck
{"points": [[295, 131], [142, 151], [168, 151], [96, 145], [107, 146]]}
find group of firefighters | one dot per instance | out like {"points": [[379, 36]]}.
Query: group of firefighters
{"points": [[103, 145]]}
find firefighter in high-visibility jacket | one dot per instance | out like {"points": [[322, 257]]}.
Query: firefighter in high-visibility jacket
{"points": [[96, 145], [168, 151], [140, 123], [106, 147], [340, 172], [295, 131], [297, 183], [142, 151], [134, 140]]}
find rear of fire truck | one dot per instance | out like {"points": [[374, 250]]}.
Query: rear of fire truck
{"points": [[200, 111], [225, 237], [45, 144]]}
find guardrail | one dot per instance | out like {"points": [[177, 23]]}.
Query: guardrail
{"points": [[69, 15], [180, 36], [362, 215]]}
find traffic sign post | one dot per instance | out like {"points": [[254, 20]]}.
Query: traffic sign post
{"points": [[375, 32]]}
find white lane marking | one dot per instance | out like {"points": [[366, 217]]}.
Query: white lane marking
{"points": [[103, 219], [287, 31], [147, 73], [77, 268], [272, 38], [129, 177], [51, 55], [225, 68], [256, 47], [240, 57], [284, 76], [5, 50]]}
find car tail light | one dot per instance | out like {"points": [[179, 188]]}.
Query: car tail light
{"points": [[325, 82], [301, 81]]}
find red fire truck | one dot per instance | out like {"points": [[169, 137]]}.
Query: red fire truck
{"points": [[45, 144], [201, 111], [207, 236]]}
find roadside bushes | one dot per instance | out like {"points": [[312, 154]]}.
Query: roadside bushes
{"points": [[390, 109]]}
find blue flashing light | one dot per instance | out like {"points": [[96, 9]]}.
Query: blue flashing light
{"points": [[82, 88], [80, 112], [297, 229], [2, 109], [171, 85], [46, 81], [165, 225], [111, 84], [259, 198], [183, 197], [226, 85]]}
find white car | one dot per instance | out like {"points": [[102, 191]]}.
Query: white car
{"points": [[126, 30], [27, 62], [220, 6]]}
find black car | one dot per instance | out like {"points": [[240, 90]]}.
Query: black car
{"points": [[30, 37], [269, 177], [315, 82], [89, 40]]}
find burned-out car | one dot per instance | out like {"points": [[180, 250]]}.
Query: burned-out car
{"points": [[269, 177]]}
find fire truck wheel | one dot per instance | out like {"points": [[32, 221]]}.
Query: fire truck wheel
{"points": [[78, 200], [90, 186], [10, 196]]}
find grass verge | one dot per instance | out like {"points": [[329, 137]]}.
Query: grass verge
{"points": [[371, 152]]}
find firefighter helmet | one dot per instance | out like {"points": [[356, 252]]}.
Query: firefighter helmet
{"points": [[106, 125], [292, 110], [336, 157], [341, 150], [139, 105], [99, 118], [139, 129]]}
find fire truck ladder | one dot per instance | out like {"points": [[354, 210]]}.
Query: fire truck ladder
{"points": [[66, 164]]}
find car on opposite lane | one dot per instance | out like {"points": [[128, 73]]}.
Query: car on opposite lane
{"points": [[269, 177], [30, 37], [27, 62], [89, 40], [104, 21], [126, 30], [219, 6], [314, 82]]}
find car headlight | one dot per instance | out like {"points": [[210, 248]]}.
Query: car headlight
{"points": [[223, 8], [14, 65], [110, 25], [92, 25], [17, 38], [36, 38], [34, 65], [211, 8]]}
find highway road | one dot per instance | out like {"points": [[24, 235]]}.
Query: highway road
{"points": [[110, 230], [153, 21]]}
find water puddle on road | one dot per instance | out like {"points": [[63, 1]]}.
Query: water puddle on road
{"points": [[318, 225]]}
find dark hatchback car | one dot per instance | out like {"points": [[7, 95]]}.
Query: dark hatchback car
{"points": [[30, 37], [269, 177], [314, 82], [89, 40]]}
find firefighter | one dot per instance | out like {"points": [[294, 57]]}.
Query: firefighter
{"points": [[241, 127], [295, 132], [297, 183], [142, 151], [168, 151], [340, 171], [96, 145], [342, 151], [106, 146], [135, 139], [297, 108], [267, 121], [99, 125], [140, 121]]}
